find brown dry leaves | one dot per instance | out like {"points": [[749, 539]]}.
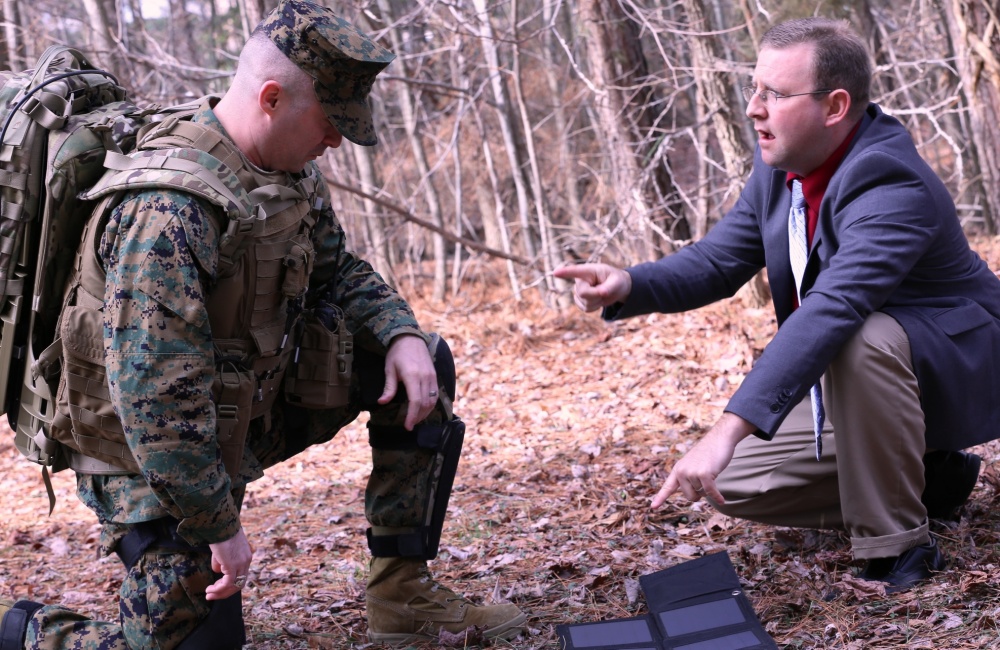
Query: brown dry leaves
{"points": [[572, 425]]}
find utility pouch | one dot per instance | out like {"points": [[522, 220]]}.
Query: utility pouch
{"points": [[83, 396], [319, 376], [234, 389]]}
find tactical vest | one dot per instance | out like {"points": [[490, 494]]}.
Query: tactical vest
{"points": [[255, 307]]}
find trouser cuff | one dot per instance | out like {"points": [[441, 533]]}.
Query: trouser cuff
{"points": [[867, 548]]}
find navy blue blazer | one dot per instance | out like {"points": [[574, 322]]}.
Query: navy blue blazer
{"points": [[887, 239]]}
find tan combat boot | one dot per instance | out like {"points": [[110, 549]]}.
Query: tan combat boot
{"points": [[406, 605]]}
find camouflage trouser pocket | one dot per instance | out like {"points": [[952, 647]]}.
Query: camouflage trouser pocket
{"points": [[162, 598], [83, 397]]}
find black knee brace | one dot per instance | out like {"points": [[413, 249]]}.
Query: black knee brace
{"points": [[443, 438], [371, 370]]}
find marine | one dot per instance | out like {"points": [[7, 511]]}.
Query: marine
{"points": [[269, 332]]}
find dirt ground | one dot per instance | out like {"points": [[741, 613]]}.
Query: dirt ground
{"points": [[572, 426]]}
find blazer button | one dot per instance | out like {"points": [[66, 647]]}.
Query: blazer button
{"points": [[775, 408]]}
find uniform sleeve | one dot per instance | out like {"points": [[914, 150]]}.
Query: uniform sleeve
{"points": [[159, 357], [373, 309]]}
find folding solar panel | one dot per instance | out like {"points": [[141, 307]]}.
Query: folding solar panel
{"points": [[697, 605]]}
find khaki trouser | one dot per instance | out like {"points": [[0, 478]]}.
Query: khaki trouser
{"points": [[871, 475]]}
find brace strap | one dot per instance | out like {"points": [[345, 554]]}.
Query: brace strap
{"points": [[15, 624]]}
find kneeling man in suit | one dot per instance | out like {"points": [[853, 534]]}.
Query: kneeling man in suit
{"points": [[886, 363]]}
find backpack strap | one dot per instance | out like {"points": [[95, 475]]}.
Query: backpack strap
{"points": [[51, 109]]}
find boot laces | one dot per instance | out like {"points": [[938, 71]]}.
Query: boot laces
{"points": [[436, 586]]}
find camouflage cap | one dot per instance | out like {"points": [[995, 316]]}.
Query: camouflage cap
{"points": [[342, 60]]}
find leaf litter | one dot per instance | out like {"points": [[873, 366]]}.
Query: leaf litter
{"points": [[572, 426]]}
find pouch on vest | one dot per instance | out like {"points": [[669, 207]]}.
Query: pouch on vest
{"points": [[320, 373], [83, 398], [234, 388]]}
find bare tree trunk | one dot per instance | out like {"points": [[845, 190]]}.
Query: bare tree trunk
{"points": [[101, 44], [715, 106], [457, 62], [716, 99], [624, 98], [252, 12], [549, 253], [502, 233], [13, 44], [374, 228], [508, 123], [974, 26], [409, 107], [565, 170], [181, 41]]}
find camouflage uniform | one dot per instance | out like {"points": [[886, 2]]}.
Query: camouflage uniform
{"points": [[160, 250]]}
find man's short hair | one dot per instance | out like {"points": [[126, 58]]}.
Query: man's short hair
{"points": [[841, 58]]}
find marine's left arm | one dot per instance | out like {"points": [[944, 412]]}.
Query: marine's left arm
{"points": [[375, 312]]}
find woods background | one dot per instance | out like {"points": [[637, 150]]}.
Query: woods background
{"points": [[542, 131], [516, 135]]}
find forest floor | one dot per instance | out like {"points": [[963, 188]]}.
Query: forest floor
{"points": [[572, 426]]}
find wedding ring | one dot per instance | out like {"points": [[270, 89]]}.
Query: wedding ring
{"points": [[240, 582], [433, 393]]}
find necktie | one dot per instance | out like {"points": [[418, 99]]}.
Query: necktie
{"points": [[798, 253]]}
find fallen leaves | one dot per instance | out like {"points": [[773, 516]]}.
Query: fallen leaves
{"points": [[572, 427]]}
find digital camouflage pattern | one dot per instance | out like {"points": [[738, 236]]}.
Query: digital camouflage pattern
{"points": [[342, 60], [160, 250], [156, 606]]}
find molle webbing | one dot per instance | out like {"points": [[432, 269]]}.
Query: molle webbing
{"points": [[266, 227], [264, 202]]}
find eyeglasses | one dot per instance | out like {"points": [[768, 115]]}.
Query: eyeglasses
{"points": [[767, 95]]}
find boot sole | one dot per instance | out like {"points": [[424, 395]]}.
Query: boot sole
{"points": [[506, 631]]}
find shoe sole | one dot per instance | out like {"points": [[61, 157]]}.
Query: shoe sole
{"points": [[506, 631]]}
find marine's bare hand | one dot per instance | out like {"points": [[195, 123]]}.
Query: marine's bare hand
{"points": [[409, 362], [231, 558]]}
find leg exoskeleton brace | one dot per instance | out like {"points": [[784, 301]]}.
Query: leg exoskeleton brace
{"points": [[443, 438]]}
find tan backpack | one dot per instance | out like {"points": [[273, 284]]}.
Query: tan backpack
{"points": [[58, 123]]}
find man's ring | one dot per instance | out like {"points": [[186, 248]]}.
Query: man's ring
{"points": [[700, 490], [433, 393], [240, 582]]}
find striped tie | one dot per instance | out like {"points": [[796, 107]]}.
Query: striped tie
{"points": [[798, 253]]}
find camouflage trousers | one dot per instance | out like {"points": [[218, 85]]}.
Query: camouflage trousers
{"points": [[162, 597], [161, 603]]}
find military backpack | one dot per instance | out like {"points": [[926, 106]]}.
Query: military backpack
{"points": [[59, 125], [70, 143]]}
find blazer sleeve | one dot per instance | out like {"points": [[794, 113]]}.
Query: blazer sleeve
{"points": [[709, 270]]}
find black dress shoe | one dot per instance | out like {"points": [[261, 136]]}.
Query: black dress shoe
{"points": [[903, 571], [949, 478]]}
